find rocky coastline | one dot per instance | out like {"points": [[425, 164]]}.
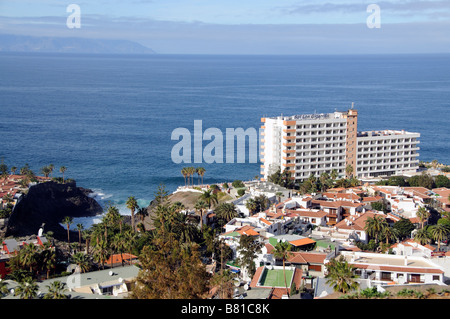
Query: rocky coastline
{"points": [[46, 204]]}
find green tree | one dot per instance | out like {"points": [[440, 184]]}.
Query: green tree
{"points": [[439, 232], [224, 280], [375, 226], [209, 197], [442, 181], [404, 227], [422, 237], [83, 261], [102, 252], [62, 170], [201, 172], [170, 271], [56, 290], [132, 205], [249, 248], [390, 234], [68, 221], [423, 214], [80, 229], [201, 207], [184, 172], [225, 212], [29, 256], [48, 260], [282, 251], [422, 180], [334, 174], [349, 171], [45, 171], [119, 245], [27, 289], [341, 275]]}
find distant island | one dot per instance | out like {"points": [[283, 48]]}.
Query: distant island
{"points": [[22, 43]]}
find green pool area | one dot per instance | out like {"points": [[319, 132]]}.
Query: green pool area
{"points": [[275, 277]]}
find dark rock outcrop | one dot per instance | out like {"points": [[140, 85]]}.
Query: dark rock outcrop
{"points": [[48, 203]]}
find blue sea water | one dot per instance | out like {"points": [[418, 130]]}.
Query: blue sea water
{"points": [[109, 118]]}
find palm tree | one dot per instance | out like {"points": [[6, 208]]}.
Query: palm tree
{"points": [[201, 171], [209, 197], [201, 207], [422, 237], [439, 233], [79, 228], [56, 291], [185, 174], [82, 260], [119, 245], [224, 281], [48, 260], [142, 213], [192, 171], [375, 226], [68, 221], [349, 170], [27, 289], [132, 205], [251, 205], [102, 252], [226, 211], [282, 251], [390, 233], [423, 214], [46, 171], [86, 235], [130, 240], [51, 167], [29, 256], [334, 174], [62, 170], [340, 275], [324, 180]]}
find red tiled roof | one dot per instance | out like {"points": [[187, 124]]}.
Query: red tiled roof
{"points": [[302, 242]]}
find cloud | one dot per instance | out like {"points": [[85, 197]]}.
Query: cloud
{"points": [[406, 7], [205, 38]]}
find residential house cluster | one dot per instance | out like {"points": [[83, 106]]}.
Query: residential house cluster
{"points": [[323, 226]]}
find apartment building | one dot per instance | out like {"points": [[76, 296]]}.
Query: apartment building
{"points": [[316, 143]]}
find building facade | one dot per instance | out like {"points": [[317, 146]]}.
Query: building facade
{"points": [[311, 144]]}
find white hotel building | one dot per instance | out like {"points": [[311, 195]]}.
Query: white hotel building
{"points": [[316, 143]]}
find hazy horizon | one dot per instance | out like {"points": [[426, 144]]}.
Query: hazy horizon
{"points": [[294, 27]]}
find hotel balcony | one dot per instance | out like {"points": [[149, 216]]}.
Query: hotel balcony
{"points": [[289, 144]]}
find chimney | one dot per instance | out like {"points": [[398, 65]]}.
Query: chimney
{"points": [[406, 260]]}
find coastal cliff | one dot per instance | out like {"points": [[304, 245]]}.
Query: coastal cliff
{"points": [[48, 203]]}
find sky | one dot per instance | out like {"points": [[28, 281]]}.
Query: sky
{"points": [[245, 26]]}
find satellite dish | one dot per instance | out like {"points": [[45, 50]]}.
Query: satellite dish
{"points": [[40, 232], [111, 273], [120, 279], [246, 286]]}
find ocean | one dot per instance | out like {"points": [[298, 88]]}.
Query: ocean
{"points": [[109, 118]]}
